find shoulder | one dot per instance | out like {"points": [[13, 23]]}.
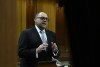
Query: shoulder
{"points": [[29, 29], [26, 31], [51, 32]]}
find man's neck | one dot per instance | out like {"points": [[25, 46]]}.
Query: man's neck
{"points": [[41, 28]]}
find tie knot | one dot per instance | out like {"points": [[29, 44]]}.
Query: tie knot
{"points": [[41, 31], [43, 37]]}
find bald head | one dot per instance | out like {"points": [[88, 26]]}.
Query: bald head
{"points": [[41, 14], [41, 20]]}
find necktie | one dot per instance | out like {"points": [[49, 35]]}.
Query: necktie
{"points": [[43, 37]]}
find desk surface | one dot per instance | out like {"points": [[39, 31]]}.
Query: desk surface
{"points": [[47, 64]]}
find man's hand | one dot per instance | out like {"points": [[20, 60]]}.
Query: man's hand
{"points": [[54, 47], [41, 47]]}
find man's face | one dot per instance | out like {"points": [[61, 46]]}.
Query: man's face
{"points": [[41, 20]]}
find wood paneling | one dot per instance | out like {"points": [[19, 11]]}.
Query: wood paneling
{"points": [[21, 14], [47, 64], [62, 33], [21, 19], [48, 6], [30, 12], [8, 33]]}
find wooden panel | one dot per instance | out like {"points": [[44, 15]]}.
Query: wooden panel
{"points": [[30, 12], [48, 6], [8, 33], [62, 33], [47, 64], [21, 18], [21, 14]]}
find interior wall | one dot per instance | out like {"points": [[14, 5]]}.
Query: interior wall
{"points": [[30, 12], [8, 33], [48, 6], [62, 33], [21, 19], [12, 22], [21, 15]]}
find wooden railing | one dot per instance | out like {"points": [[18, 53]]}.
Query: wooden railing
{"points": [[47, 64]]}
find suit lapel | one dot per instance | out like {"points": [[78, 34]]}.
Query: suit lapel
{"points": [[36, 36], [48, 36]]}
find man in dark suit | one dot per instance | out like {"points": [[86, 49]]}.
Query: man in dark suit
{"points": [[34, 46]]}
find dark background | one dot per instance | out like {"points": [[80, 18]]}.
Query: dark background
{"points": [[83, 23]]}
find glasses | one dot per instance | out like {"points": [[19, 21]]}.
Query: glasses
{"points": [[43, 18]]}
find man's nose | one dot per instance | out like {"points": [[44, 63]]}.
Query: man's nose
{"points": [[45, 20]]}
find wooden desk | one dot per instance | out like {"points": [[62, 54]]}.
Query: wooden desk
{"points": [[47, 64]]}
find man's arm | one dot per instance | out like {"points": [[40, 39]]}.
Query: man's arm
{"points": [[23, 50], [55, 50], [54, 46]]}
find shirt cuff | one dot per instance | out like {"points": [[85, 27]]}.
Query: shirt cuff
{"points": [[55, 54], [36, 55]]}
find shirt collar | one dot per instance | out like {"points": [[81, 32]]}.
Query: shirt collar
{"points": [[37, 28]]}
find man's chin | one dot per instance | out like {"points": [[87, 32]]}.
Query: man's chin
{"points": [[44, 26]]}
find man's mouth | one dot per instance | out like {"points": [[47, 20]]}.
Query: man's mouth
{"points": [[44, 23]]}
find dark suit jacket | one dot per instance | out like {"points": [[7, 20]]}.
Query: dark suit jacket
{"points": [[28, 42]]}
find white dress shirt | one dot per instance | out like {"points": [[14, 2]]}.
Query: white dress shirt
{"points": [[40, 33], [40, 37]]}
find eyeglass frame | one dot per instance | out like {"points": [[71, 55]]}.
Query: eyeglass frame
{"points": [[43, 18]]}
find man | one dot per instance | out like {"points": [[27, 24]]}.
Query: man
{"points": [[37, 43]]}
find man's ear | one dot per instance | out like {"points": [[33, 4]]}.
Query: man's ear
{"points": [[34, 19]]}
